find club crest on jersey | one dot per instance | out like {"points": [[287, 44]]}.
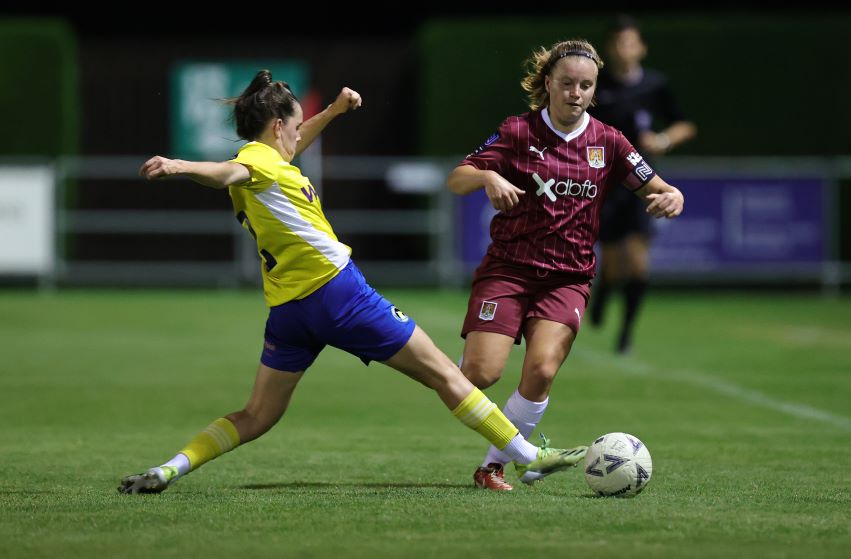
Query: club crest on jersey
{"points": [[399, 315], [596, 156], [488, 310]]}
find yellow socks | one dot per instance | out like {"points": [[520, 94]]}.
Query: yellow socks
{"points": [[219, 437], [478, 413]]}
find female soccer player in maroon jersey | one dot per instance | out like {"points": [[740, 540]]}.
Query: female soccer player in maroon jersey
{"points": [[546, 172]]}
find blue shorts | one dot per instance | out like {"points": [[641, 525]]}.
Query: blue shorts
{"points": [[345, 313]]}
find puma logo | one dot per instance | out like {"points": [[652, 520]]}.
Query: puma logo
{"points": [[540, 152]]}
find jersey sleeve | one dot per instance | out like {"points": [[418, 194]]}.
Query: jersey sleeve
{"points": [[495, 153], [262, 168], [630, 169]]}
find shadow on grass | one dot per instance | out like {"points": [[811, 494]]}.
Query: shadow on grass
{"points": [[617, 497], [307, 484]]}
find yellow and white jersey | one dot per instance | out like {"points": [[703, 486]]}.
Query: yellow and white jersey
{"points": [[281, 210]]}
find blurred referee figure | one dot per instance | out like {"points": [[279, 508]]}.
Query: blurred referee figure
{"points": [[546, 172], [315, 293], [638, 102]]}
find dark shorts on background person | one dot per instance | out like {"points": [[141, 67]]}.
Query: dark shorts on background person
{"points": [[504, 296], [623, 213], [345, 313]]}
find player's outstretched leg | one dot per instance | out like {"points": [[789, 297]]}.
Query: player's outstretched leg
{"points": [[269, 399], [549, 461], [421, 360], [219, 437], [155, 480]]}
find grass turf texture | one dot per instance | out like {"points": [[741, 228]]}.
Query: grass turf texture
{"points": [[743, 402]]}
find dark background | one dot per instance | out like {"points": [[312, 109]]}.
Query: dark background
{"points": [[435, 82]]}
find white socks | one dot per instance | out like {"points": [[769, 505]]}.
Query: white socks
{"points": [[181, 462], [518, 449], [525, 415]]}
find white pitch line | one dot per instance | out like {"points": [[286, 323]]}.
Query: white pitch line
{"points": [[631, 366]]}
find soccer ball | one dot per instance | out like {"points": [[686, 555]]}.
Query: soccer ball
{"points": [[619, 465]]}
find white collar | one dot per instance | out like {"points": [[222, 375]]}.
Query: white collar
{"points": [[564, 136]]}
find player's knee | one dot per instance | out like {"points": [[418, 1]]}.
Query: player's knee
{"points": [[480, 375], [252, 423], [540, 377]]}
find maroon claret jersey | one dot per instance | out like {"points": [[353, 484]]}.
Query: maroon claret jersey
{"points": [[565, 178]]}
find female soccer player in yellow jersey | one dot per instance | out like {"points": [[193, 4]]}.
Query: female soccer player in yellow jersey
{"points": [[316, 294]]}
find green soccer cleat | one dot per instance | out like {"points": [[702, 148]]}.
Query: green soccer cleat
{"points": [[549, 461], [155, 480]]}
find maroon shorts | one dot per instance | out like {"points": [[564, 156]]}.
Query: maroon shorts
{"points": [[504, 296]]}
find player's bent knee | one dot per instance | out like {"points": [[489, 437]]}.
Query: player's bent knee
{"points": [[251, 424], [540, 378], [480, 376], [543, 373]]}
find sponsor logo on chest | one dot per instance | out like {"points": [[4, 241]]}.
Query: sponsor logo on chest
{"points": [[553, 188]]}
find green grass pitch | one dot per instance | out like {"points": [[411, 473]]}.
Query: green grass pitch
{"points": [[744, 402]]}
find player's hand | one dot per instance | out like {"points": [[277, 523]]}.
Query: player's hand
{"points": [[159, 167], [502, 194], [666, 204], [348, 99], [652, 143]]}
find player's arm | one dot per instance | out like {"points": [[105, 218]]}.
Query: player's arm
{"points": [[348, 99], [464, 179], [208, 173], [662, 199]]}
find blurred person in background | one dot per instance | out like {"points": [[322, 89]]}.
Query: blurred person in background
{"points": [[638, 102], [545, 172], [316, 294]]}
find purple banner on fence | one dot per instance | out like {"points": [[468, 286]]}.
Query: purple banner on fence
{"points": [[727, 223], [740, 222]]}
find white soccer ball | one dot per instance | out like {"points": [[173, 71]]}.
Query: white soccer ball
{"points": [[619, 465]]}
